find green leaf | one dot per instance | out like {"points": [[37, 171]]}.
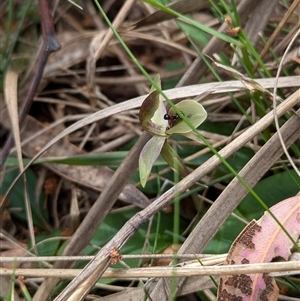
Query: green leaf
{"points": [[17, 201], [228, 232], [271, 190], [148, 108], [198, 25], [172, 158], [109, 159], [148, 156], [199, 36], [191, 110], [48, 243], [136, 245], [238, 160], [157, 81], [193, 136]]}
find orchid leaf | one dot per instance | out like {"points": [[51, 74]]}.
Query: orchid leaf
{"points": [[192, 136], [148, 156], [157, 81], [152, 113], [148, 108], [158, 117], [173, 159], [154, 119], [190, 109]]}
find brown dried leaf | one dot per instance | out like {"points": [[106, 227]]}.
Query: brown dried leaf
{"points": [[249, 83]]}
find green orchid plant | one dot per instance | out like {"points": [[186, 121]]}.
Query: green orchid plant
{"points": [[155, 119]]}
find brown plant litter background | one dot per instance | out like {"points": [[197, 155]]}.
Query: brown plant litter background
{"points": [[87, 102]]}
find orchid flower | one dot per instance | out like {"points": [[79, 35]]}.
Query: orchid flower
{"points": [[155, 119]]}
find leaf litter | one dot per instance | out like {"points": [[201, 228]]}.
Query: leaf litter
{"points": [[118, 90]]}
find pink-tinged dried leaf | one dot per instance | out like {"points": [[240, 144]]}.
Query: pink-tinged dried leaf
{"points": [[261, 241], [148, 156]]}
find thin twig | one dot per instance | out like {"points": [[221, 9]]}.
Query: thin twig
{"points": [[165, 271]]}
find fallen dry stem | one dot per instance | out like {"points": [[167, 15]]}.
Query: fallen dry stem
{"points": [[160, 272]]}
